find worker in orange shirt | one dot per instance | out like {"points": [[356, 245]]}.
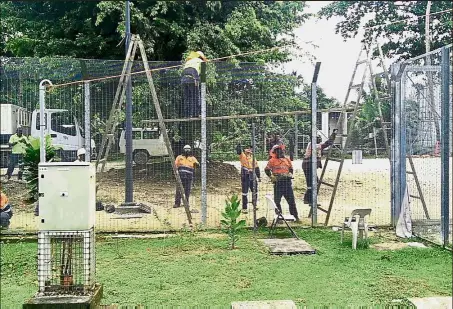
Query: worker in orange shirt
{"points": [[249, 169], [186, 164], [6, 212], [280, 170]]}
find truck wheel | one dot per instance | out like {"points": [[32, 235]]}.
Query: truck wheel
{"points": [[141, 157]]}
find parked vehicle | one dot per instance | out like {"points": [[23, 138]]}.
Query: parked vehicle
{"points": [[146, 143], [63, 128]]}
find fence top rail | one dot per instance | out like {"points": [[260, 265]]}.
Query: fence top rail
{"points": [[243, 116], [427, 54]]}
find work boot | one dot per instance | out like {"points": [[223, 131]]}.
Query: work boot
{"points": [[176, 206], [245, 211]]}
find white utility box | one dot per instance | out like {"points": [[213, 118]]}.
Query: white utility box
{"points": [[67, 196]]}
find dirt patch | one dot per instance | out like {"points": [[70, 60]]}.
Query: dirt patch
{"points": [[396, 245]]}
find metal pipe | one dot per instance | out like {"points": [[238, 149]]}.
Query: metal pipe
{"points": [[42, 124], [203, 145], [314, 132], [129, 185], [254, 184], [445, 145], [87, 122]]}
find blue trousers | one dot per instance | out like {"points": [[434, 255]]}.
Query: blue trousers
{"points": [[191, 99], [187, 184], [247, 184], [283, 188], [14, 160]]}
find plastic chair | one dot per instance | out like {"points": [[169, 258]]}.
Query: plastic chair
{"points": [[278, 217], [358, 227]]}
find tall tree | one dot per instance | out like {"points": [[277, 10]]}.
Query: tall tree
{"points": [[406, 39], [92, 29]]}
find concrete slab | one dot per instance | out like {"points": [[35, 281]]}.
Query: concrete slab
{"points": [[288, 246], [90, 301], [432, 302], [265, 304]]}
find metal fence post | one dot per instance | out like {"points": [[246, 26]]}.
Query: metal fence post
{"points": [[203, 145], [87, 122], [445, 144], [395, 163], [314, 132], [42, 119], [296, 137]]}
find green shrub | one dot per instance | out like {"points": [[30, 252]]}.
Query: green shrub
{"points": [[31, 161], [230, 222]]}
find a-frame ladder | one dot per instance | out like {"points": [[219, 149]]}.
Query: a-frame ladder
{"points": [[112, 123]]}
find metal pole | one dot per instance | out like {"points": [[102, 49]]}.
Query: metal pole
{"points": [[129, 196], [87, 122], [445, 145], [375, 142], [254, 184], [42, 124], [403, 155], [296, 138], [314, 131], [203, 145], [395, 166]]}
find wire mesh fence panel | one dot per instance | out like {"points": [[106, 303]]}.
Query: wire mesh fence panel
{"points": [[86, 106], [423, 108]]}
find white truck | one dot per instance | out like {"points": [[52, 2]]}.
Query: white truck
{"points": [[146, 143], [63, 128]]}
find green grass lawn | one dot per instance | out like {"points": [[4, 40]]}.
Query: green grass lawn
{"points": [[198, 270]]}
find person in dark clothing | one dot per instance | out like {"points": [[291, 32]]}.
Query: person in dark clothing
{"points": [[190, 81], [307, 166], [280, 170], [249, 169], [291, 148]]}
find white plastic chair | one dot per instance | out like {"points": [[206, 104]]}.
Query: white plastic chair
{"points": [[278, 217], [357, 225]]}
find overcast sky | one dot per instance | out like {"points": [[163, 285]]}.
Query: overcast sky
{"points": [[337, 57]]}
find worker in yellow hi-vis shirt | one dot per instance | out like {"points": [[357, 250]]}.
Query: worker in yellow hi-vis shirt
{"points": [[18, 143]]}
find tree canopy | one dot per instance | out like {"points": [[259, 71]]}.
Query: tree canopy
{"points": [[90, 29], [406, 39]]}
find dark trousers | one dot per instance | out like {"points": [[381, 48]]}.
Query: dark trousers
{"points": [[308, 172], [5, 217], [283, 188], [15, 159], [187, 184], [191, 106], [247, 184]]}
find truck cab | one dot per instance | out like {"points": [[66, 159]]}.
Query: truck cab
{"points": [[64, 130], [146, 143]]}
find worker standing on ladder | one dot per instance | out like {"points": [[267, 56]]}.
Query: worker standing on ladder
{"points": [[280, 170], [307, 166], [247, 173], [186, 164], [190, 81]]}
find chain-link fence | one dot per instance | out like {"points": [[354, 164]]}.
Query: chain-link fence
{"points": [[423, 144], [239, 96]]}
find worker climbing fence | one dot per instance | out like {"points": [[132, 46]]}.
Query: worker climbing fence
{"points": [[422, 145], [239, 97]]}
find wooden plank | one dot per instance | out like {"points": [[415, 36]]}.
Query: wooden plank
{"points": [[163, 129]]}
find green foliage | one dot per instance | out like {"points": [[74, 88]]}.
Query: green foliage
{"points": [[31, 160], [406, 39], [91, 29], [230, 223]]}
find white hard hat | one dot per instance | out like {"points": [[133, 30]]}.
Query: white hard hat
{"points": [[187, 147], [201, 54], [81, 151]]}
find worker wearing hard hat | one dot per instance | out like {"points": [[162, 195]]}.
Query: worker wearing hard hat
{"points": [[280, 170], [81, 155], [190, 80], [186, 164]]}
